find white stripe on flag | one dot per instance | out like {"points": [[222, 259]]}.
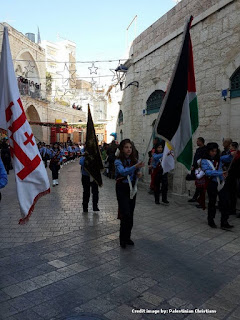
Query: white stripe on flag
{"points": [[168, 162]]}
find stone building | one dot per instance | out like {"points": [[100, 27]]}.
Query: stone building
{"points": [[215, 36], [61, 65], [29, 64]]}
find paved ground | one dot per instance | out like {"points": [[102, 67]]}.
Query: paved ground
{"points": [[64, 264]]}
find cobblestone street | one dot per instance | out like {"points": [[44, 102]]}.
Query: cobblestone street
{"points": [[65, 264]]}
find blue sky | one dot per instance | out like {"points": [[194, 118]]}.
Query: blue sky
{"points": [[97, 27]]}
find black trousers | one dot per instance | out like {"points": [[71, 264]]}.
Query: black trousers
{"points": [[7, 165], [55, 168], [197, 193], [232, 188], [45, 159], [87, 185], [223, 202], [161, 179], [126, 208]]}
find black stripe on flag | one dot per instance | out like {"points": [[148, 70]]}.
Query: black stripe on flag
{"points": [[175, 96]]}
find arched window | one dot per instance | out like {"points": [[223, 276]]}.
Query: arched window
{"points": [[154, 101], [235, 84], [120, 118]]}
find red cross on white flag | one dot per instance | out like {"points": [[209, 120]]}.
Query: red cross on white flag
{"points": [[31, 176]]}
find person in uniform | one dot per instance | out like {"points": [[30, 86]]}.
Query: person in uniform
{"points": [[159, 177], [88, 183], [126, 165], [212, 168], [54, 165]]}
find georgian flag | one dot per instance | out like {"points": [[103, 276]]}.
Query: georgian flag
{"points": [[31, 176], [178, 117]]}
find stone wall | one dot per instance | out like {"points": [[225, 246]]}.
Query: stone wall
{"points": [[216, 46], [21, 45]]}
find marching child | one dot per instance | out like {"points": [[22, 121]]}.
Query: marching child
{"points": [[54, 165], [126, 165], [88, 183], [212, 167], [159, 177]]}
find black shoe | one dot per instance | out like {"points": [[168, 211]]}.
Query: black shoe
{"points": [[212, 224], [226, 226], [198, 206], [85, 210], [232, 213], [96, 209], [192, 200], [123, 244], [157, 202], [165, 202], [130, 242]]}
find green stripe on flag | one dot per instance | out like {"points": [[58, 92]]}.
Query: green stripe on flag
{"points": [[194, 114], [185, 156]]}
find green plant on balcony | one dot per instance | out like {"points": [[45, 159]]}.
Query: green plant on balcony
{"points": [[49, 82]]}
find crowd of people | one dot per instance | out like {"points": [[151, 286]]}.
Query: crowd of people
{"points": [[215, 173], [28, 87], [58, 155]]}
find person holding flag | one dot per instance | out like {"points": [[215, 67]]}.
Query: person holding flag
{"points": [[30, 174], [159, 177], [178, 116], [126, 173], [92, 165]]}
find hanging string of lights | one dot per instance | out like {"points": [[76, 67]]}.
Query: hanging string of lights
{"points": [[91, 62]]}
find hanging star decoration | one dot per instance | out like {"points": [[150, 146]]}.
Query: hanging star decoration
{"points": [[117, 76], [29, 68], [114, 75], [70, 93], [93, 83], [69, 81], [93, 69]]}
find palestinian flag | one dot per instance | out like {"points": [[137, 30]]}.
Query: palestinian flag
{"points": [[93, 160], [178, 116]]}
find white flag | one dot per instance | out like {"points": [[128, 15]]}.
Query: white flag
{"points": [[31, 176], [168, 162]]}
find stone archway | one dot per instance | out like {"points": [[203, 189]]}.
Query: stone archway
{"points": [[32, 115], [26, 66]]}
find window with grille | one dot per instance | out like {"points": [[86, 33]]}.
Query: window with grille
{"points": [[120, 118], [154, 101], [235, 84]]}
